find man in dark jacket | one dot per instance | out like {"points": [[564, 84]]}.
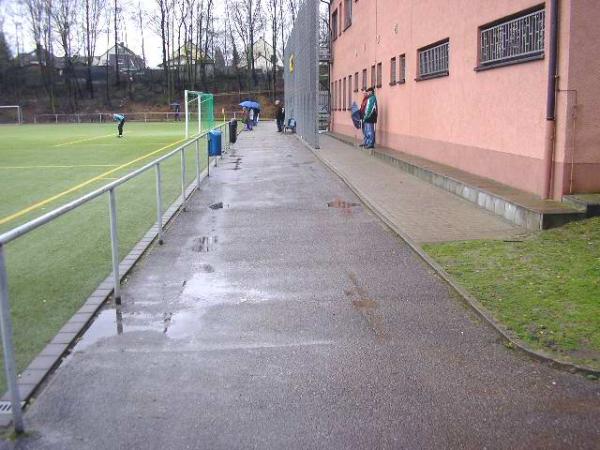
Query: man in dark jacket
{"points": [[370, 118], [279, 115]]}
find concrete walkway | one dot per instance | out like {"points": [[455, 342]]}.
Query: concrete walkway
{"points": [[278, 321], [424, 212]]}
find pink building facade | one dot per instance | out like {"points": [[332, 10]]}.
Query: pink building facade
{"points": [[466, 83]]}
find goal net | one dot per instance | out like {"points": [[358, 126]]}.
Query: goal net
{"points": [[11, 114], [199, 109]]}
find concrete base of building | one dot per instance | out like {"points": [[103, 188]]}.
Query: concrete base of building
{"points": [[516, 206]]}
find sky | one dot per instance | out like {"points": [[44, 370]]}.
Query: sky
{"points": [[131, 36]]}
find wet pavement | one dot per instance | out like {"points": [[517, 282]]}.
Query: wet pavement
{"points": [[280, 313]]}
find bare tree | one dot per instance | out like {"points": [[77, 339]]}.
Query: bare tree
{"points": [[65, 16], [40, 21], [94, 12], [116, 24], [247, 19]]}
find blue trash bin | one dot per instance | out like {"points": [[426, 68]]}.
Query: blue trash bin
{"points": [[214, 143]]}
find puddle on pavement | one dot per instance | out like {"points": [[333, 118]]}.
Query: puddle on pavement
{"points": [[337, 203], [204, 244]]}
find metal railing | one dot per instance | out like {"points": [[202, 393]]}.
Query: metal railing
{"points": [[110, 189], [140, 116], [513, 39]]}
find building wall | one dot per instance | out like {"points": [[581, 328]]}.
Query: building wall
{"points": [[491, 123]]}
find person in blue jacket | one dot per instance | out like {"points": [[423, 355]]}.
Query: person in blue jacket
{"points": [[120, 119]]}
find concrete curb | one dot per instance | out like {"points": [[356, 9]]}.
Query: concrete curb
{"points": [[32, 378], [466, 297]]}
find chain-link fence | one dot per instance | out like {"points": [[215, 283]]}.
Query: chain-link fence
{"points": [[301, 73]]}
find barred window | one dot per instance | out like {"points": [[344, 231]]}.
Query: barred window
{"points": [[334, 25], [355, 81], [364, 79], [344, 95], [433, 60], [348, 13], [349, 91], [402, 68], [519, 38], [332, 96], [379, 75], [393, 71], [373, 81]]}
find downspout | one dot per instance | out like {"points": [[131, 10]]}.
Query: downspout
{"points": [[550, 140]]}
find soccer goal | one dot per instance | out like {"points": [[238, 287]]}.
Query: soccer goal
{"points": [[199, 111], [11, 114]]}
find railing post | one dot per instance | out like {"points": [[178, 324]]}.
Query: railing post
{"points": [[198, 163], [183, 178], [114, 242], [7, 346], [159, 205]]}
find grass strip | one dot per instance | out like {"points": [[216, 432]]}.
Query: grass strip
{"points": [[545, 288]]}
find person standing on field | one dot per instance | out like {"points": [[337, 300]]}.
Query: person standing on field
{"points": [[120, 119], [370, 118], [279, 115]]}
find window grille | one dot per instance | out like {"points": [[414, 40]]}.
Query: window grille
{"points": [[434, 60], [344, 95], [379, 75], [393, 71], [373, 81], [514, 39], [348, 13], [349, 91], [402, 68], [355, 81], [334, 25], [364, 79]]}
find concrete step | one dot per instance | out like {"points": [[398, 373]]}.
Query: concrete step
{"points": [[588, 203], [519, 207]]}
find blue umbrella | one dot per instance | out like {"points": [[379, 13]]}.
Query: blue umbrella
{"points": [[247, 104], [355, 114]]}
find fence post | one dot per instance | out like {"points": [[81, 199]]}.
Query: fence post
{"points": [[114, 242], [55, 118], [183, 178], [8, 348], [159, 205], [198, 162]]}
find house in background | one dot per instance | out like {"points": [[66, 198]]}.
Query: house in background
{"points": [[263, 57], [471, 85], [190, 54], [128, 61]]}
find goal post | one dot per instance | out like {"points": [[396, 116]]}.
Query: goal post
{"points": [[202, 105], [11, 114]]}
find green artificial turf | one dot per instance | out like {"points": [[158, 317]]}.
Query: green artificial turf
{"points": [[545, 289], [53, 269]]}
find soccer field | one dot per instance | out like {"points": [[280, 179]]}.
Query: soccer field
{"points": [[53, 269]]}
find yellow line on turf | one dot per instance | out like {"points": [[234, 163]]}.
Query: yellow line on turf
{"points": [[57, 167], [85, 183], [83, 140]]}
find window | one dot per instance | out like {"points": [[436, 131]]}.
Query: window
{"points": [[373, 76], [344, 95], [379, 75], [348, 13], [332, 97], [355, 81], [334, 25], [402, 68], [433, 60], [393, 71], [364, 79], [514, 39], [349, 91]]}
